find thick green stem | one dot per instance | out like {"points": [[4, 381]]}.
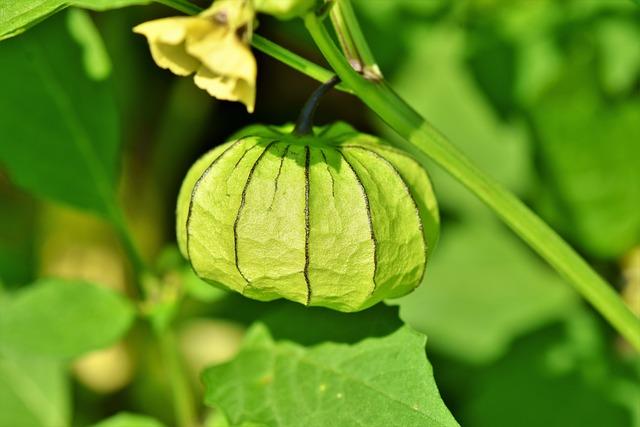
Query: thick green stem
{"points": [[423, 139], [354, 45]]}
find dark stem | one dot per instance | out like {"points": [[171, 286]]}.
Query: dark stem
{"points": [[304, 124]]}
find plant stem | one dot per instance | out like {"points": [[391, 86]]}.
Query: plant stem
{"points": [[353, 43], [294, 61], [304, 125], [423, 139], [270, 48], [184, 405]]}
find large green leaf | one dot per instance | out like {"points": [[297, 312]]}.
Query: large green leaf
{"points": [[482, 289], [590, 156], [60, 133], [17, 16], [377, 382], [125, 419], [63, 318], [33, 391]]}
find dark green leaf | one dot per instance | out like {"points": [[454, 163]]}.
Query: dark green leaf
{"points": [[63, 318], [58, 118], [378, 382], [17, 16], [551, 379]]}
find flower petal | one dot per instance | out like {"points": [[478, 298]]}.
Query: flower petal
{"points": [[229, 56], [167, 41], [224, 87], [174, 58]]}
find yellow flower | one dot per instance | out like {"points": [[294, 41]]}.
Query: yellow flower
{"points": [[214, 45]]}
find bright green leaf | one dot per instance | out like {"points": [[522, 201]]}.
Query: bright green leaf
{"points": [[59, 126], [377, 382], [33, 391], [125, 419], [64, 318], [482, 289], [17, 16]]}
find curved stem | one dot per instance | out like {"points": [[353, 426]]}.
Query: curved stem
{"points": [[304, 125], [424, 140]]}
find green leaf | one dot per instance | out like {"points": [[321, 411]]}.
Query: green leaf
{"points": [[17, 16], [482, 289], [378, 382], [64, 318], [34, 391], [589, 153], [125, 419], [561, 381], [59, 124]]}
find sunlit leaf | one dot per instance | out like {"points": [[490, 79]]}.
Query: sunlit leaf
{"points": [[376, 382]]}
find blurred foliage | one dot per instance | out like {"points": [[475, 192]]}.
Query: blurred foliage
{"points": [[544, 95]]}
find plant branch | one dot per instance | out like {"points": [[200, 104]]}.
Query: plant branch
{"points": [[422, 139], [295, 61], [353, 43]]}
